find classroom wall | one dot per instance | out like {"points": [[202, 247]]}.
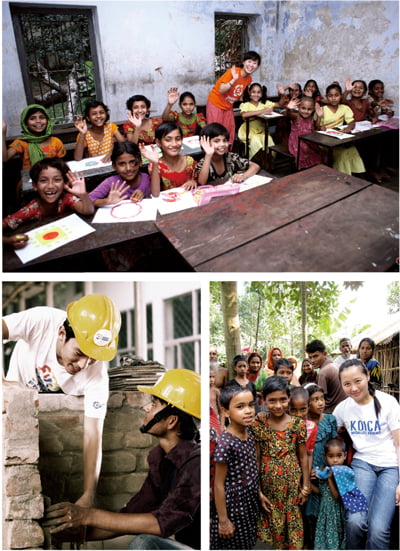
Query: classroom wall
{"points": [[148, 46]]}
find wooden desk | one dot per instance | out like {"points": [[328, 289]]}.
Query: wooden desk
{"points": [[312, 221], [104, 236], [330, 143], [267, 119]]}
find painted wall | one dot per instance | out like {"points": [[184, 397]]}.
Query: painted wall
{"points": [[146, 47]]}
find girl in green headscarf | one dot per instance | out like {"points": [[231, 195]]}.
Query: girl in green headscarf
{"points": [[36, 141]]}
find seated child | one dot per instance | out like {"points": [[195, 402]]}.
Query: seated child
{"points": [[140, 127], [345, 159], [188, 120], [171, 169], [128, 183], [255, 103], [36, 141], [379, 104], [360, 106], [58, 191], [99, 139], [302, 122], [289, 92], [218, 162], [311, 89]]}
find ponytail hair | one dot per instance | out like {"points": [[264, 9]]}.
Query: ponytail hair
{"points": [[364, 370]]}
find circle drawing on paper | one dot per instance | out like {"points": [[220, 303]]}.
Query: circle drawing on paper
{"points": [[50, 235], [126, 209], [91, 163]]}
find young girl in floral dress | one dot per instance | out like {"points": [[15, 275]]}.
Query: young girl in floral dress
{"points": [[171, 169], [281, 449]]}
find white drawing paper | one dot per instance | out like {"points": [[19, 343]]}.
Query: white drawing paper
{"points": [[127, 211], [51, 236]]}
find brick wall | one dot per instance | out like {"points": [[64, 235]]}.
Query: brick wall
{"points": [[43, 433]]}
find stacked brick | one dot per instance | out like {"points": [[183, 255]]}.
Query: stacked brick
{"points": [[22, 492]]}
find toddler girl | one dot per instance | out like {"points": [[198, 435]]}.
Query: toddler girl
{"points": [[218, 162], [308, 374], [255, 103], [345, 159], [99, 139], [236, 484], [58, 190], [281, 448], [365, 352], [171, 169], [330, 528], [140, 127], [36, 141], [128, 183], [327, 429], [188, 120], [302, 122]]}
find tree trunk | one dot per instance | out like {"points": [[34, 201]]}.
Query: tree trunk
{"points": [[230, 314], [304, 330]]}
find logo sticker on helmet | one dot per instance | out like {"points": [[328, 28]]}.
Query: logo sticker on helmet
{"points": [[102, 337]]}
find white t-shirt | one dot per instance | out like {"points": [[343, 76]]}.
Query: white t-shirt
{"points": [[372, 437], [34, 360], [339, 359]]}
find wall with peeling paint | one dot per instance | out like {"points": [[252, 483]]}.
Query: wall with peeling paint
{"points": [[146, 47]]}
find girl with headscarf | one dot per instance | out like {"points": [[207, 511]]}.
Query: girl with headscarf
{"points": [[36, 141]]}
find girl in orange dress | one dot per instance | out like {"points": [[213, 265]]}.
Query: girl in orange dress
{"points": [[100, 138]]}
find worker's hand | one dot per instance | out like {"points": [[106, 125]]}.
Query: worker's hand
{"points": [[63, 516]]}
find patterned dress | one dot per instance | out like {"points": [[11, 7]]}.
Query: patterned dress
{"points": [[241, 491], [105, 146], [54, 149], [170, 179], [33, 211], [189, 127], [329, 533], [280, 482], [308, 156], [233, 162], [145, 136], [327, 429]]}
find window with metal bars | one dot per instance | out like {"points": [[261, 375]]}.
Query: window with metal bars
{"points": [[230, 41], [182, 343], [57, 53]]}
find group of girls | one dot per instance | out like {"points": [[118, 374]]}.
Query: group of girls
{"points": [[275, 468], [309, 111], [155, 141]]}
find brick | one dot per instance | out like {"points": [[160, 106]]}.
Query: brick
{"points": [[22, 534], [21, 480], [121, 462], [116, 400], [24, 507], [139, 440]]}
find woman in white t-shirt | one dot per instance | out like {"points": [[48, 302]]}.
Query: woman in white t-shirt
{"points": [[372, 420]]}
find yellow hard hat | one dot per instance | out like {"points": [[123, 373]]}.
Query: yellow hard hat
{"points": [[180, 388], [96, 322]]}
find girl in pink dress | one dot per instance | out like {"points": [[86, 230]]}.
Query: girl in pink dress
{"points": [[302, 122]]}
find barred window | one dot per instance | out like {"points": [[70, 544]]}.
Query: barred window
{"points": [[182, 342], [57, 53]]}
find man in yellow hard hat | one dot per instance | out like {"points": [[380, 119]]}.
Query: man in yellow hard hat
{"points": [[168, 504], [58, 350]]}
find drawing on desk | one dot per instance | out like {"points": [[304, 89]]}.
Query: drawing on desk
{"points": [[127, 211], [335, 133], [53, 235], [86, 164]]}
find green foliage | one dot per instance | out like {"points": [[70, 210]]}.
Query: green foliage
{"points": [[393, 297], [276, 308]]}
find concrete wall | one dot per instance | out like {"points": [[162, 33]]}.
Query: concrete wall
{"points": [[146, 47]]}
